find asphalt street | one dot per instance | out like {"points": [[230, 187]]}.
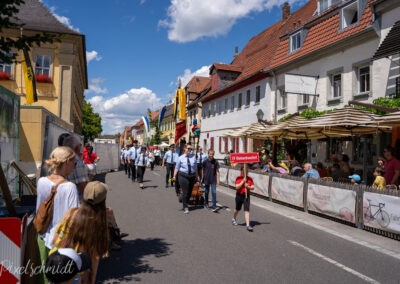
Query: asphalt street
{"points": [[287, 246]]}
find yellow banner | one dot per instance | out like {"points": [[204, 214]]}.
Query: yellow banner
{"points": [[29, 76]]}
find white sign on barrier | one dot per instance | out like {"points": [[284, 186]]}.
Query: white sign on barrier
{"points": [[381, 211], [332, 201], [223, 174], [287, 190], [261, 183]]}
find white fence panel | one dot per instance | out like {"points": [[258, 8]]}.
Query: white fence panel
{"points": [[261, 183], [223, 175], [332, 201], [381, 211], [287, 190], [109, 156]]}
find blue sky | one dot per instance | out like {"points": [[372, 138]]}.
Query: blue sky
{"points": [[137, 49]]}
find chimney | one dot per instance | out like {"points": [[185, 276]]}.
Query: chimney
{"points": [[285, 11], [236, 52]]}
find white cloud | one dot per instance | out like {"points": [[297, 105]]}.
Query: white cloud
{"points": [[188, 75], [95, 86], [125, 109], [90, 55], [189, 20], [64, 20]]}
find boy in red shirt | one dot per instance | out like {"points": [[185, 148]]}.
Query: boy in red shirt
{"points": [[243, 184]]}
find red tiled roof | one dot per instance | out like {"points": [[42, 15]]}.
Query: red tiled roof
{"points": [[197, 84], [321, 35], [154, 114], [226, 67], [259, 51]]}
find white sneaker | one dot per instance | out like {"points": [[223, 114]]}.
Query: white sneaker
{"points": [[186, 211]]}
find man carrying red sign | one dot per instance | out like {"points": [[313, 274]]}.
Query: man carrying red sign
{"points": [[243, 185]]}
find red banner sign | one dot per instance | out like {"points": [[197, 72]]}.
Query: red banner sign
{"points": [[180, 129], [243, 158]]}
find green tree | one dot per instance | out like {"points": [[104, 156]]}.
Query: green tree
{"points": [[156, 138], [8, 46], [91, 122]]}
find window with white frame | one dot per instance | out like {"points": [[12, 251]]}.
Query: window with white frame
{"points": [[42, 65], [240, 101], [295, 41], [363, 79], [248, 97], [336, 86], [349, 15], [282, 99], [258, 94], [324, 5], [232, 103]]}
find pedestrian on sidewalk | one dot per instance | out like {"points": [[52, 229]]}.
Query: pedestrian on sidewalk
{"points": [[243, 185], [210, 174], [186, 172], [90, 159], [170, 159], [124, 160], [133, 153], [141, 163]]}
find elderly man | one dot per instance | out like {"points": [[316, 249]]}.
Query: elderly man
{"points": [[310, 172]]}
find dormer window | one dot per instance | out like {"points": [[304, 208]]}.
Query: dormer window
{"points": [[349, 15], [295, 41], [324, 5]]}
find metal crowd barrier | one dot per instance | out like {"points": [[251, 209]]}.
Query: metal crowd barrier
{"points": [[360, 206]]}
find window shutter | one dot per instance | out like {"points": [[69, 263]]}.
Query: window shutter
{"points": [[226, 144], [237, 145], [219, 144], [233, 141], [245, 144], [212, 143]]}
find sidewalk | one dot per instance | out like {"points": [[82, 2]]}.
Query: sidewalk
{"points": [[370, 240]]}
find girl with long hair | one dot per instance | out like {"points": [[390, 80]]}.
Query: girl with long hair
{"points": [[77, 229]]}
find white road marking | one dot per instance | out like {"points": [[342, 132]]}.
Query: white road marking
{"points": [[334, 262]]}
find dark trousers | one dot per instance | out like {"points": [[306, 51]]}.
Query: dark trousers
{"points": [[133, 170], [126, 167], [152, 165], [140, 173], [177, 187], [170, 173], [186, 182], [157, 160]]}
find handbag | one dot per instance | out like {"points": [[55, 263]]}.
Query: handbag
{"points": [[44, 214]]}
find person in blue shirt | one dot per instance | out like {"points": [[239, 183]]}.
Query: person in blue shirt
{"points": [[200, 157], [310, 172], [124, 160], [169, 160], [141, 163], [133, 153], [186, 172]]}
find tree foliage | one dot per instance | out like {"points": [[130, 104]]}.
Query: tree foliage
{"points": [[91, 122], [8, 46], [156, 138]]}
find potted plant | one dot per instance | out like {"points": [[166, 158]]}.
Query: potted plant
{"points": [[5, 76], [43, 78]]}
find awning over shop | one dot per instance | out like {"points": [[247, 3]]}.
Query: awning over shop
{"points": [[390, 119], [391, 44], [337, 123]]}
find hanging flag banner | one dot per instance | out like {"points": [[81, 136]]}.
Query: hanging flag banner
{"points": [[180, 104], [146, 125], [161, 116], [180, 129], [29, 76]]}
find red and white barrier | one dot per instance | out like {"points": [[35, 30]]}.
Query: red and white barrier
{"points": [[10, 250]]}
